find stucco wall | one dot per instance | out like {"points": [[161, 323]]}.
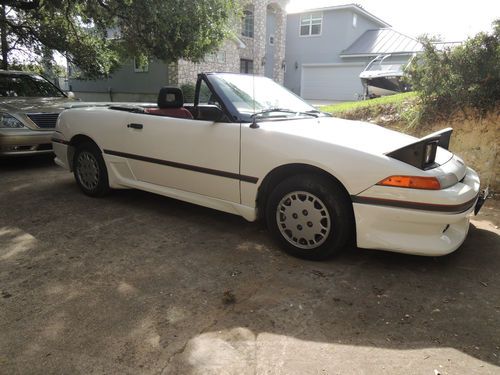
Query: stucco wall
{"points": [[475, 138]]}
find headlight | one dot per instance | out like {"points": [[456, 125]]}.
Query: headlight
{"points": [[10, 122], [447, 180]]}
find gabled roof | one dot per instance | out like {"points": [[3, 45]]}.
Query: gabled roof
{"points": [[382, 41], [354, 7]]}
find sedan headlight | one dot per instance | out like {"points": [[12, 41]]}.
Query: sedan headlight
{"points": [[9, 122]]}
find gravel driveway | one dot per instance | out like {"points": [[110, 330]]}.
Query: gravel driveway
{"points": [[138, 283]]}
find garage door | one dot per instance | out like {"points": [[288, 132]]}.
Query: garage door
{"points": [[331, 82]]}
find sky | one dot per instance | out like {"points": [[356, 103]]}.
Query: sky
{"points": [[453, 20]]}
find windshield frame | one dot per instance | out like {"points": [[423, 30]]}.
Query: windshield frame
{"points": [[32, 76], [243, 117]]}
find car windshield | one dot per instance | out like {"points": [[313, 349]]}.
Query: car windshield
{"points": [[24, 85], [387, 63], [251, 95]]}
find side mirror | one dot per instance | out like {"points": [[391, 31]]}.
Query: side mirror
{"points": [[211, 113]]}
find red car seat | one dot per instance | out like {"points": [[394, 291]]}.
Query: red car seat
{"points": [[170, 103]]}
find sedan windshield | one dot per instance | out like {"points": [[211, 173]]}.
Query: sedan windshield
{"points": [[261, 96], [24, 85]]}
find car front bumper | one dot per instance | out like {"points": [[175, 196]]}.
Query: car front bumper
{"points": [[415, 227], [24, 142]]}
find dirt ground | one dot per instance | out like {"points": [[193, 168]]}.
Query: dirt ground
{"points": [[138, 283]]}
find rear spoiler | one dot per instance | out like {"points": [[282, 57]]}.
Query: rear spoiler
{"points": [[422, 153]]}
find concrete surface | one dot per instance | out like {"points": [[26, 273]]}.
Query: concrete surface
{"points": [[136, 283]]}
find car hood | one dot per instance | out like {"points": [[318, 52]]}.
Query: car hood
{"points": [[26, 105], [52, 105], [358, 135]]}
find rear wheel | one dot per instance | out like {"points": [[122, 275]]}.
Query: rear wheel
{"points": [[90, 170], [310, 216]]}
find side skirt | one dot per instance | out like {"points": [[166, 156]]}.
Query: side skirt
{"points": [[248, 213]]}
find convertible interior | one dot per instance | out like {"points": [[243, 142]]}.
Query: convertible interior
{"points": [[171, 104]]}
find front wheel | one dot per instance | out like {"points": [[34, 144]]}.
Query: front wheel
{"points": [[310, 216], [90, 170]]}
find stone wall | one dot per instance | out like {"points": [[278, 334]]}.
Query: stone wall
{"points": [[279, 58], [173, 73], [259, 38], [254, 48], [227, 59]]}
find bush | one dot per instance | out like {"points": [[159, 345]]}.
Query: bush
{"points": [[464, 76]]}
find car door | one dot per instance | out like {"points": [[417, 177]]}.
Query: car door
{"points": [[190, 155]]}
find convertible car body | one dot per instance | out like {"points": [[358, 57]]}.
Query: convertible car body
{"points": [[250, 147]]}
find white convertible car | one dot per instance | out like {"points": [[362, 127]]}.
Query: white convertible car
{"points": [[250, 147]]}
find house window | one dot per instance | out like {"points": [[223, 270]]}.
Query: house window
{"points": [[246, 66], [215, 57], [247, 27], [271, 40], [141, 65], [310, 24], [354, 20], [221, 57], [209, 57]]}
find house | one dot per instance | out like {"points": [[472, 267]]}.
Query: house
{"points": [[327, 49], [257, 46], [318, 54]]}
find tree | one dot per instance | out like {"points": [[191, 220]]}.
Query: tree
{"points": [[467, 75], [79, 29]]}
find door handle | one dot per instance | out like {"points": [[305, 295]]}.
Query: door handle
{"points": [[135, 126]]}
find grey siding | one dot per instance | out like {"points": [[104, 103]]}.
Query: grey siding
{"points": [[126, 81], [337, 34]]}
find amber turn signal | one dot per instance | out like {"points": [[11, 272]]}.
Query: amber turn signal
{"points": [[412, 182]]}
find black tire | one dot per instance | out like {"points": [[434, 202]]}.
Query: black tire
{"points": [[92, 184], [327, 201]]}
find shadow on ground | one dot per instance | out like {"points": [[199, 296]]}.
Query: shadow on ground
{"points": [[136, 282]]}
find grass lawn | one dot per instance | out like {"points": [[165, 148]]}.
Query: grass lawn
{"points": [[365, 104]]}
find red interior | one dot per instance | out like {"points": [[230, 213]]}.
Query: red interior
{"points": [[171, 112]]}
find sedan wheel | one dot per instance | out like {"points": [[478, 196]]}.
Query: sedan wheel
{"points": [[310, 216]]}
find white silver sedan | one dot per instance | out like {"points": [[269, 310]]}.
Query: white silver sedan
{"points": [[250, 147]]}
